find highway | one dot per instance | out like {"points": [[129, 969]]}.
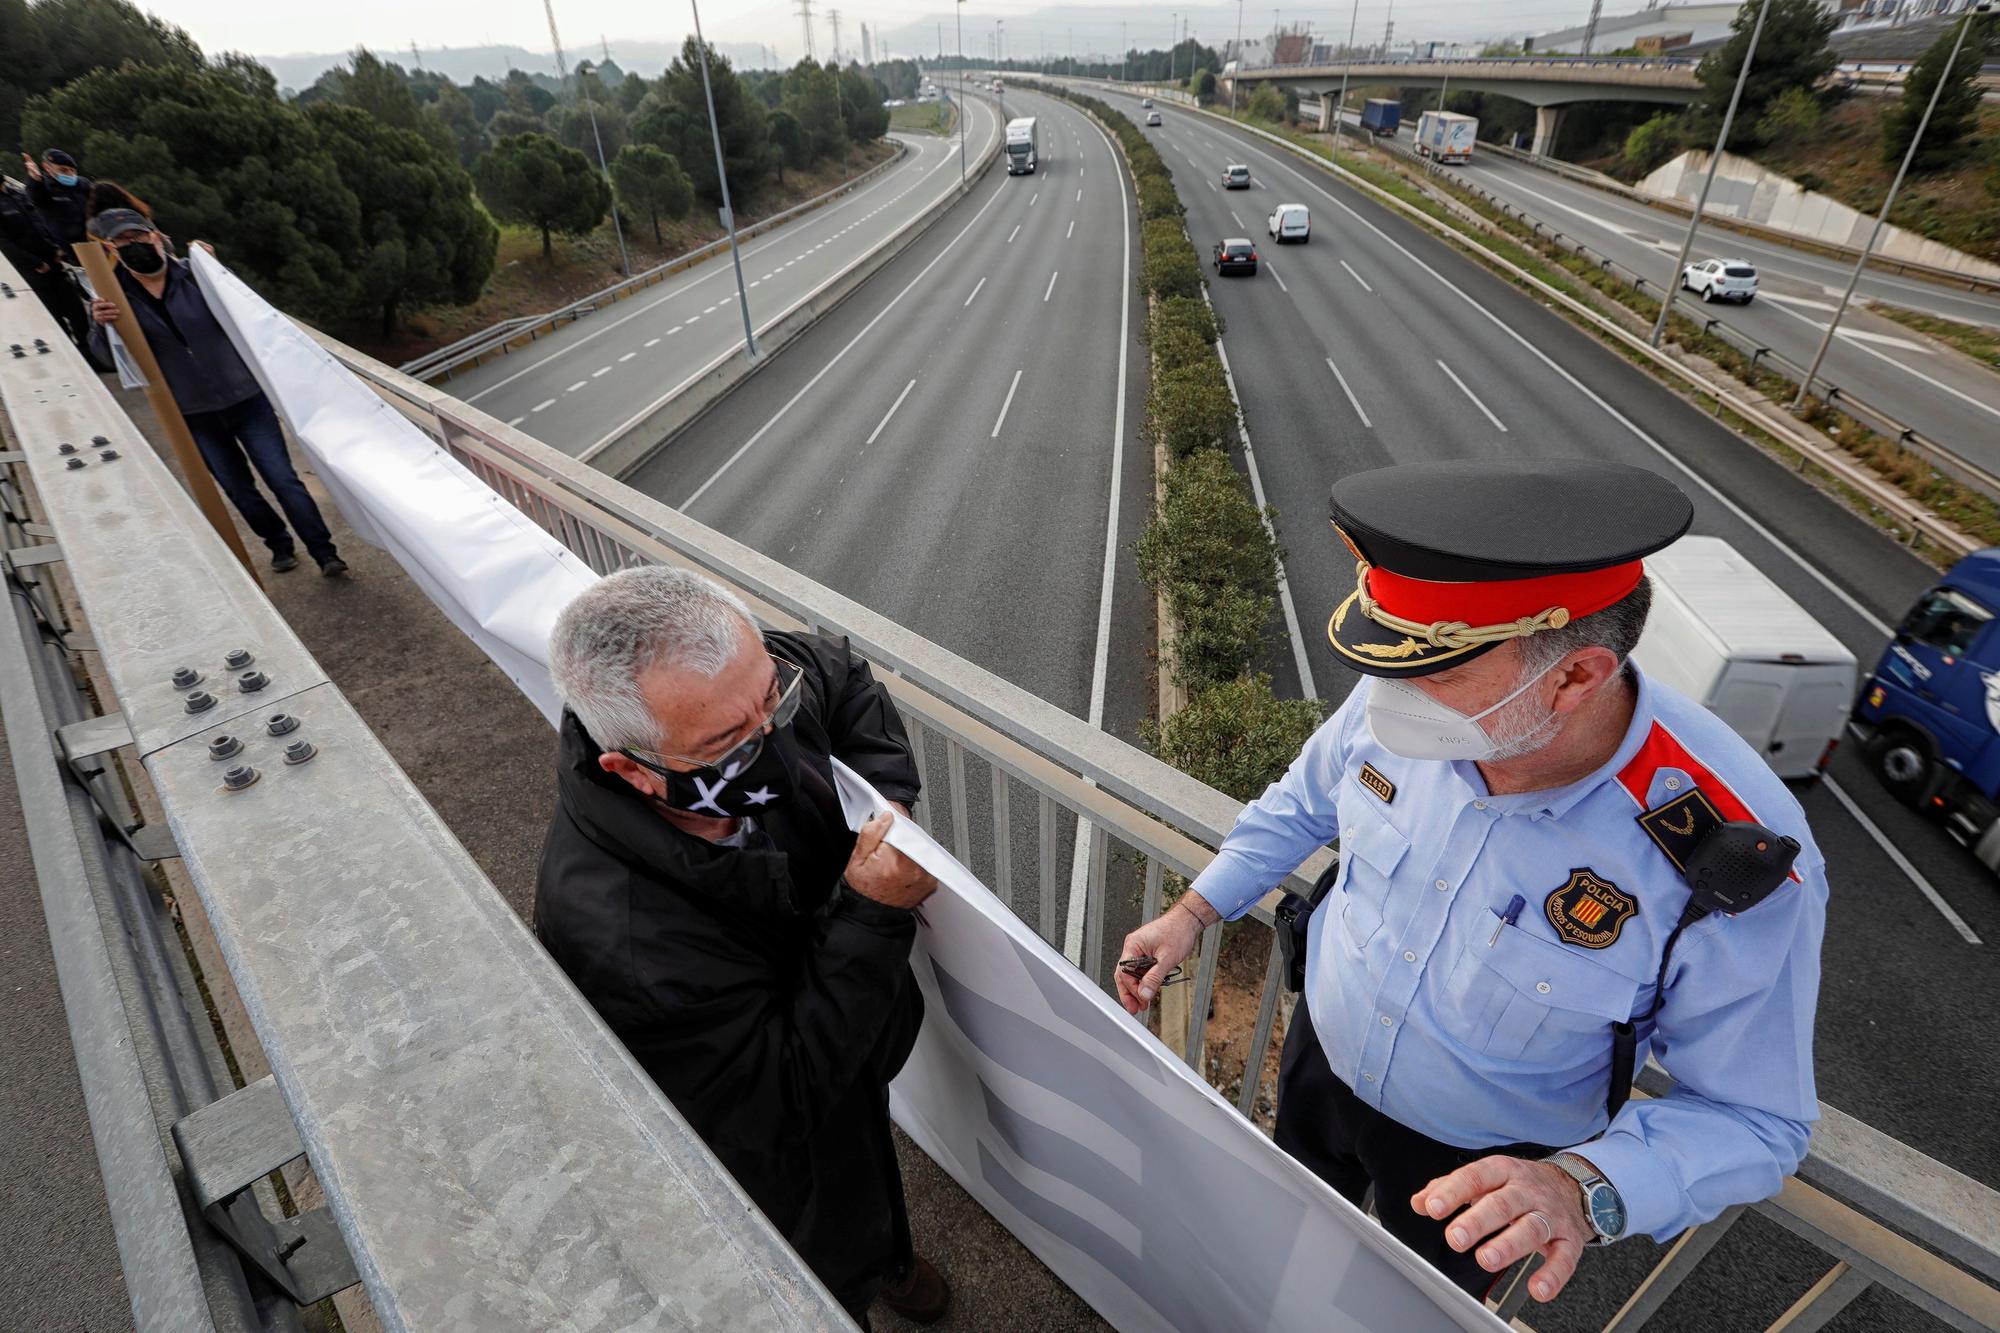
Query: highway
{"points": [[589, 379], [1949, 397], [1377, 344], [953, 443]]}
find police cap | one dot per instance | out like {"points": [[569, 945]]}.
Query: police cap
{"points": [[1455, 558]]}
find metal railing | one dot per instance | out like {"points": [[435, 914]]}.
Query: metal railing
{"points": [[491, 1155], [1009, 780]]}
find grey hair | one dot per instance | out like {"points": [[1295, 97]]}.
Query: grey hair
{"points": [[1617, 627], [626, 624]]}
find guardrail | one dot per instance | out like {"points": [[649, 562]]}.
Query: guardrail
{"points": [[983, 745], [473, 349], [492, 1156]]}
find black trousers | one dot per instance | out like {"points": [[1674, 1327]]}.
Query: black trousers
{"points": [[59, 294], [1351, 1145]]}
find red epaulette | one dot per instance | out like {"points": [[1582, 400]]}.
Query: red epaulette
{"points": [[1663, 749]]}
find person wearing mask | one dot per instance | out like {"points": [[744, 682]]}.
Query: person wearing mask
{"points": [[61, 195], [1531, 893], [25, 243], [231, 420], [701, 888]]}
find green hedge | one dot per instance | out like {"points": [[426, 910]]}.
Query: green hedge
{"points": [[1207, 552], [1237, 736], [1189, 408]]}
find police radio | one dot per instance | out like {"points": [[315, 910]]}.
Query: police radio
{"points": [[1735, 866]]}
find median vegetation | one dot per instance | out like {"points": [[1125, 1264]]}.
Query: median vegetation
{"points": [[1207, 550]]}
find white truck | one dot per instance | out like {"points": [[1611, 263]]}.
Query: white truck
{"points": [[1730, 639], [1446, 136], [1021, 141]]}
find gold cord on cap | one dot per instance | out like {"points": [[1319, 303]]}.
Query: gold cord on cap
{"points": [[1450, 633]]}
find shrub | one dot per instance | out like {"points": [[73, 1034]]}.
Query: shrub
{"points": [[1207, 552], [1189, 409], [1171, 270], [1237, 736], [1656, 141], [1158, 198], [1176, 346], [1267, 103], [1790, 119], [1190, 313]]}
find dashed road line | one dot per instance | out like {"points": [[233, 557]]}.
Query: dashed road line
{"points": [[1072, 229], [574, 387], [1473, 396], [628, 356], [1356, 276], [1352, 401], [975, 292], [890, 413], [1052, 285], [601, 370], [1008, 402], [652, 342], [1012, 234], [1274, 273], [545, 404]]}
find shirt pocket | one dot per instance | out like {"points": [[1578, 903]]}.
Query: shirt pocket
{"points": [[1370, 851], [1529, 999]]}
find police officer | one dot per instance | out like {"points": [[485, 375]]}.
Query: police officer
{"points": [[1515, 803]]}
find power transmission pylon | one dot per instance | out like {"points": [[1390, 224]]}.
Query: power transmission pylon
{"points": [[806, 16], [833, 21], [1590, 28]]}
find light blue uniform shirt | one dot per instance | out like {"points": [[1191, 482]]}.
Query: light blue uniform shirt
{"points": [[1477, 1040]]}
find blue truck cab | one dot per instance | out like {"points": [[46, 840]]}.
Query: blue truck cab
{"points": [[1929, 715]]}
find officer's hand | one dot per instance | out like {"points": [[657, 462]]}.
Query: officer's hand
{"points": [[103, 311], [1168, 937], [34, 167], [877, 870], [1498, 1195]]}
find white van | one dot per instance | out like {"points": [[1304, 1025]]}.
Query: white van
{"points": [[1289, 222], [1729, 638]]}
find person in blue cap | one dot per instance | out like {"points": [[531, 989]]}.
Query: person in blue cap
{"points": [[227, 412], [1517, 920]]}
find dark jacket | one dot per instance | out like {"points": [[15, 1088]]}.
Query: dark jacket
{"points": [[63, 208], [24, 241], [197, 360], [771, 1003]]}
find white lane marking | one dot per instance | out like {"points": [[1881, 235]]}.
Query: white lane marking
{"points": [[1211, 184], [821, 374], [1072, 229], [694, 319], [890, 413], [1100, 670], [1737, 511], [1005, 403], [1051, 286], [574, 387], [1232, 213], [543, 405], [1274, 273], [652, 342], [675, 329], [975, 292], [1079, 196], [1853, 334], [1907, 370], [1299, 659], [628, 356], [517, 421], [711, 309], [1902, 862], [1352, 401], [601, 370], [1031, 202], [1012, 234], [1356, 276], [1470, 394]]}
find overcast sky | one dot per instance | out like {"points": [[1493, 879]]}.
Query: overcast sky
{"points": [[290, 27]]}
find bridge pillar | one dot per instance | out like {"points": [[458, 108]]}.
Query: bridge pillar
{"points": [[1548, 119], [1326, 108]]}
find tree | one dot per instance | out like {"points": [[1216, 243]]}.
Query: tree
{"points": [[1790, 119], [1792, 53], [421, 237], [677, 122], [525, 95], [532, 179], [381, 89], [1267, 103], [812, 95], [508, 121], [794, 145], [456, 112], [861, 106], [1957, 112], [572, 128], [631, 92], [1651, 144], [45, 44], [1203, 85], [652, 182], [487, 97]]}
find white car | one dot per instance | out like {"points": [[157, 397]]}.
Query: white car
{"points": [[1146, 101], [1153, 118], [1721, 280], [1289, 222]]}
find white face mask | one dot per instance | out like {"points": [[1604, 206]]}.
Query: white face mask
{"points": [[1408, 722]]}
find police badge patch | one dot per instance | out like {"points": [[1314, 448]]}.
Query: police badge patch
{"points": [[1589, 911]]}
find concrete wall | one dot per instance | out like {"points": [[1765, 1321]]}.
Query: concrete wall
{"points": [[1745, 190]]}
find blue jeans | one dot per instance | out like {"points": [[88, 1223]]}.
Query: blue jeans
{"points": [[247, 434]]}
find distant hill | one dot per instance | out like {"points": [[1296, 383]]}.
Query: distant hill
{"points": [[464, 63]]}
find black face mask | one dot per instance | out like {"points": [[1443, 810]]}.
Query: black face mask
{"points": [[768, 780], [142, 259]]}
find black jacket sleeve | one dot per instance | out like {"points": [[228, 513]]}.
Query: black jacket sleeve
{"points": [[862, 724], [757, 1065]]}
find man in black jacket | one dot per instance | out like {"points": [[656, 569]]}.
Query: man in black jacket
{"points": [[25, 243], [61, 194], [701, 888]]}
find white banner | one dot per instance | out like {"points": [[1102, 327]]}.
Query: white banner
{"points": [[1132, 1179]]}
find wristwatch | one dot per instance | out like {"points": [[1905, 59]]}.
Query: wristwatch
{"points": [[1602, 1205]]}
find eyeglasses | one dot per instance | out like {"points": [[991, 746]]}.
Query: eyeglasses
{"points": [[786, 686]]}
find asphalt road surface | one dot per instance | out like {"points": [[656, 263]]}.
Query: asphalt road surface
{"points": [[1950, 398], [589, 379], [1376, 344]]}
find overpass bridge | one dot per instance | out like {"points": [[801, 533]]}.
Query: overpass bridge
{"points": [[1550, 84]]}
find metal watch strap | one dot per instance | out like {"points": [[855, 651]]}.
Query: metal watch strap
{"points": [[1587, 1177]]}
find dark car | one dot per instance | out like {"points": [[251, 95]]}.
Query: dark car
{"points": [[1236, 177], [1236, 255]]}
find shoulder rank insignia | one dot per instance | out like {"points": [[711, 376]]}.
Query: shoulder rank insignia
{"points": [[1589, 911], [1679, 826], [1378, 784]]}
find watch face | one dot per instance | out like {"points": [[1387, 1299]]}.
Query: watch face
{"points": [[1607, 1211]]}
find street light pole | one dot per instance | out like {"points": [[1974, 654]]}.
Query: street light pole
{"points": [[1714, 160], [562, 69], [1173, 52], [722, 176], [1875, 232], [958, 11], [1346, 59], [1237, 77]]}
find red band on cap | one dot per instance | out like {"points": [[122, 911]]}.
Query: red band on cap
{"points": [[1497, 602]]}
